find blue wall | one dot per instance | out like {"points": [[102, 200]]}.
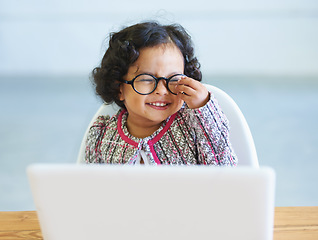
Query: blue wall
{"points": [[231, 37]]}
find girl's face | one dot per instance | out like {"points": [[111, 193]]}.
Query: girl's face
{"points": [[149, 111]]}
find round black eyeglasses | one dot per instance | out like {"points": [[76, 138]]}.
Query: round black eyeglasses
{"points": [[145, 83]]}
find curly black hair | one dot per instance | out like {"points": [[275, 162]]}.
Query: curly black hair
{"points": [[123, 50]]}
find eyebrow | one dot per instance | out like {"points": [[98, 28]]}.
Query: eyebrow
{"points": [[137, 68], [150, 73]]}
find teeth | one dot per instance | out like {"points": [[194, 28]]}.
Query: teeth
{"points": [[158, 104]]}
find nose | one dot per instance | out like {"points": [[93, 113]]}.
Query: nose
{"points": [[161, 87]]}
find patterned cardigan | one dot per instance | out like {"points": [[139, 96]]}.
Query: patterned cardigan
{"points": [[188, 137]]}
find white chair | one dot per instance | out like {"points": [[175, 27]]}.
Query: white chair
{"points": [[240, 134]]}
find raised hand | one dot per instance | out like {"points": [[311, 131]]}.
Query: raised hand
{"points": [[192, 92]]}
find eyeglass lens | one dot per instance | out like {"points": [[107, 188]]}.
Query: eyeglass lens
{"points": [[145, 84]]}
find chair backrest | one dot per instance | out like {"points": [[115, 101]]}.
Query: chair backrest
{"points": [[240, 134]]}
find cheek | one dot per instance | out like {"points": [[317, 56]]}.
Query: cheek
{"points": [[134, 99], [179, 103], [126, 93]]}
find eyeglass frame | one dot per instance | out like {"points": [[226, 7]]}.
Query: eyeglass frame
{"points": [[131, 82]]}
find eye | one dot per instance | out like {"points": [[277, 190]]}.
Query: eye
{"points": [[174, 80], [144, 80]]}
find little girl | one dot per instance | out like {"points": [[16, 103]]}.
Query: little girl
{"points": [[167, 116]]}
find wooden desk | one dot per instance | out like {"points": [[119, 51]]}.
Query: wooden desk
{"points": [[291, 223], [296, 223], [19, 225]]}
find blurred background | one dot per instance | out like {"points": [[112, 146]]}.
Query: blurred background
{"points": [[263, 53]]}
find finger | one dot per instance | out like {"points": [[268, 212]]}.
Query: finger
{"points": [[183, 84], [189, 82], [185, 89], [184, 97]]}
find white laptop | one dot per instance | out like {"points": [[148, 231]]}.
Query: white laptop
{"points": [[91, 202]]}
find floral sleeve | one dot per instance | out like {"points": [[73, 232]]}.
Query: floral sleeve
{"points": [[212, 135], [94, 138]]}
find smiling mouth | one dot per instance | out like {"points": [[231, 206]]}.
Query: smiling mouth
{"points": [[158, 104]]}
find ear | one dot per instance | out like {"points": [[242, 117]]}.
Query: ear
{"points": [[121, 94]]}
